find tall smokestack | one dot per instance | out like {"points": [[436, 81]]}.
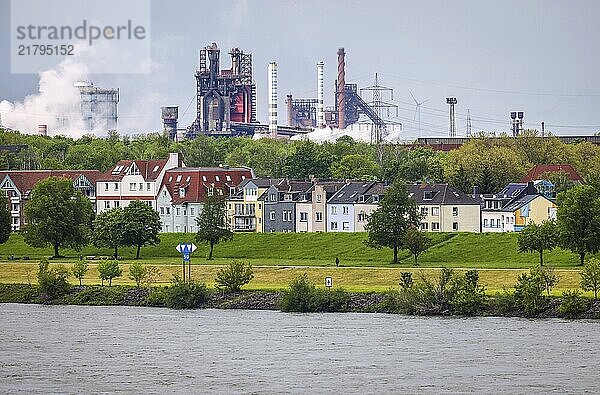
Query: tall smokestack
{"points": [[320, 97], [290, 116], [273, 99], [341, 89]]}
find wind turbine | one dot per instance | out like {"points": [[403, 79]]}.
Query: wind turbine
{"points": [[418, 109]]}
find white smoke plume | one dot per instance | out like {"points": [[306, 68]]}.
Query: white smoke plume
{"points": [[57, 97], [359, 132]]}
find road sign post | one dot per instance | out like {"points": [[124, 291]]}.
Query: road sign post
{"points": [[186, 249], [328, 282]]}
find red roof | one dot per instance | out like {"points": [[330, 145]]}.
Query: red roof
{"points": [[149, 169], [25, 180], [538, 170], [197, 181]]}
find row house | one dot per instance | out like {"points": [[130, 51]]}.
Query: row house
{"points": [[348, 209], [18, 186], [244, 209], [184, 190], [311, 206], [279, 202], [446, 209], [130, 180], [516, 206]]}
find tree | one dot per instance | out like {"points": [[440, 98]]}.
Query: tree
{"points": [[212, 226], [137, 272], [79, 270], [537, 238], [53, 282], [235, 275], [388, 224], [590, 276], [109, 230], [108, 270], [355, 166], [5, 225], [578, 220], [57, 214], [416, 242], [142, 226], [561, 180]]}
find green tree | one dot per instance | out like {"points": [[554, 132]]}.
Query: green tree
{"points": [[53, 281], [528, 292], [355, 166], [308, 159], [235, 275], [5, 225], [537, 238], [590, 276], [142, 226], [578, 220], [57, 214], [79, 270], [416, 242], [212, 226], [388, 224], [137, 272], [561, 180], [109, 230], [107, 270]]}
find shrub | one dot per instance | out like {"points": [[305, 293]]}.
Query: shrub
{"points": [[100, 296], [79, 270], [573, 304], [406, 280], [470, 297], [528, 292], [108, 270], [156, 297], [590, 276], [235, 275], [303, 297], [151, 276], [137, 271], [181, 295], [503, 303], [53, 282]]}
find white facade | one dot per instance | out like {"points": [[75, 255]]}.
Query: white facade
{"points": [[340, 217], [177, 218], [497, 221]]}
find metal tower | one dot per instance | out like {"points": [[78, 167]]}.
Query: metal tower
{"points": [[517, 122], [468, 123], [452, 101], [378, 105]]}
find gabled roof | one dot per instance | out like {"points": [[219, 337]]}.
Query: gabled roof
{"points": [[537, 171], [439, 194], [352, 191], [512, 189], [196, 182], [25, 180], [262, 182], [516, 204], [149, 169]]}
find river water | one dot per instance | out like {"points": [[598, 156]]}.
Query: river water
{"points": [[75, 349]]}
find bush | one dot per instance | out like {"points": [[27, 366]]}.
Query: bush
{"points": [[156, 297], [303, 297], [100, 296], [53, 282], [503, 303], [108, 270], [181, 295], [79, 270], [470, 298], [573, 304], [234, 276], [406, 280], [151, 275], [528, 292], [137, 272]]}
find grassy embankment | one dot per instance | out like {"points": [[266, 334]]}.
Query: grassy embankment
{"points": [[277, 258]]}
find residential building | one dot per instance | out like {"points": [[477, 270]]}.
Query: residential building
{"points": [[279, 202], [538, 172], [18, 185], [343, 206], [184, 190], [244, 210], [445, 208], [311, 210], [133, 180]]}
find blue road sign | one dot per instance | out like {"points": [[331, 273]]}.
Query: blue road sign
{"points": [[186, 256]]}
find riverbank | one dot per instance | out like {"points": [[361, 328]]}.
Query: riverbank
{"points": [[497, 306]]}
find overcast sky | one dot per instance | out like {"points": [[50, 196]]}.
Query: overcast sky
{"points": [[541, 57]]}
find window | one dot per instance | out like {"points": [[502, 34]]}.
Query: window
{"points": [[427, 195], [435, 211], [117, 203], [106, 204], [191, 211], [424, 211], [178, 178], [184, 211], [346, 226], [132, 186], [155, 169], [318, 198], [424, 226], [177, 211], [455, 211], [228, 178], [287, 216], [319, 216], [334, 226], [177, 228], [15, 207], [217, 178], [168, 210], [287, 197], [141, 186], [455, 226], [147, 186], [15, 220], [165, 193], [106, 186], [272, 197], [162, 210], [435, 226], [362, 216], [485, 223], [272, 215], [345, 210], [334, 210], [303, 217], [375, 198], [497, 223], [181, 192], [204, 178], [116, 186]]}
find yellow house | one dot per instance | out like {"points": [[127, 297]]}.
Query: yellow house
{"points": [[244, 210], [531, 209]]}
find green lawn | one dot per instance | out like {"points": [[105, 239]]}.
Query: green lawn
{"points": [[462, 250]]}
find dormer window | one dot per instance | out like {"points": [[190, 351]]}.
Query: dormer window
{"points": [[217, 178], [273, 197], [428, 195], [181, 192], [375, 198], [361, 198], [178, 178], [204, 178], [228, 178]]}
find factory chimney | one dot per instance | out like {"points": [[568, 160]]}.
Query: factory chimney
{"points": [[320, 97], [169, 117], [43, 130], [341, 89], [273, 99]]}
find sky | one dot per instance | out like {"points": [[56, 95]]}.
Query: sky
{"points": [[540, 57]]}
